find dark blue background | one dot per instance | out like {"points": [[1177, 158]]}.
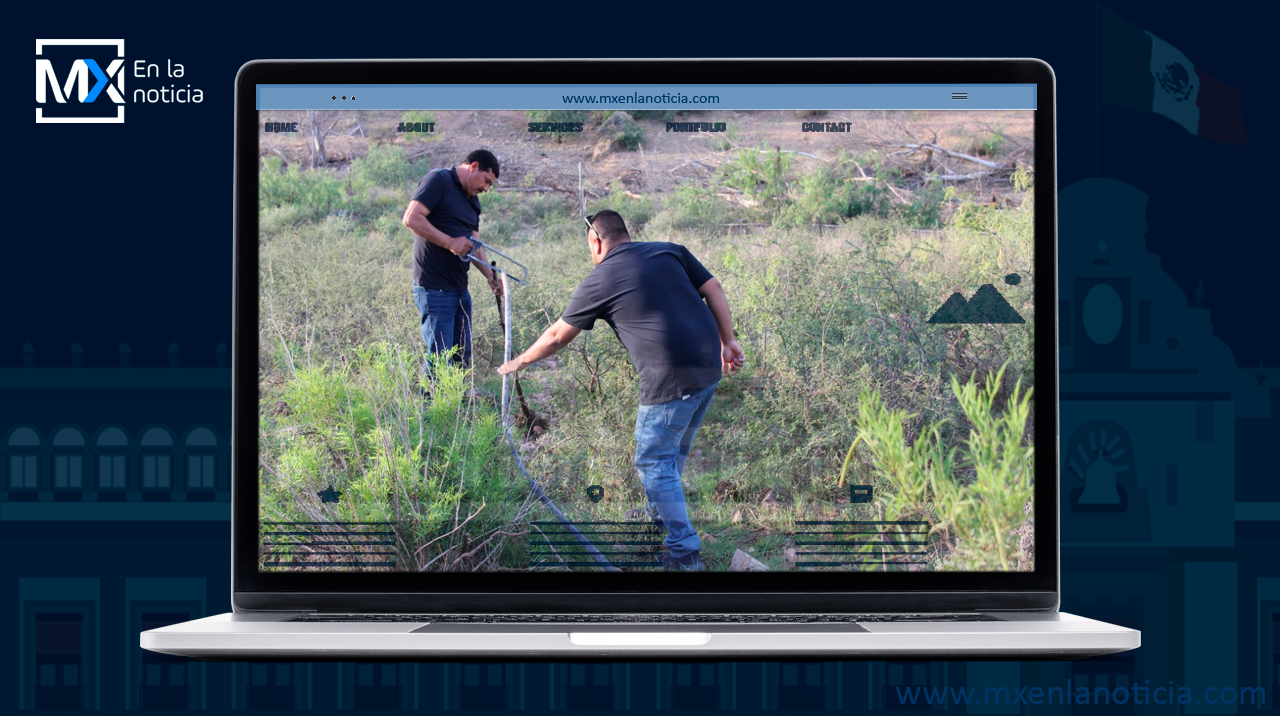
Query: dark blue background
{"points": [[137, 218], [123, 234]]}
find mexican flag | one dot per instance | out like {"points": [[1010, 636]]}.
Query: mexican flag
{"points": [[1140, 71]]}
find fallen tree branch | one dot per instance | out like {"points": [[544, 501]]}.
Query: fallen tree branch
{"points": [[963, 177], [446, 534], [892, 189], [691, 162], [950, 153], [268, 467]]}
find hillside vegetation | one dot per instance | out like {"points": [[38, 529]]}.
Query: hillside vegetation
{"points": [[832, 268]]}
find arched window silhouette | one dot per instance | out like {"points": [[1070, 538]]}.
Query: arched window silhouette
{"points": [[1100, 463], [113, 455], [157, 460], [202, 460], [24, 459], [68, 459]]}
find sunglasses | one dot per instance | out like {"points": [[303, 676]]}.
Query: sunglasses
{"points": [[587, 220]]}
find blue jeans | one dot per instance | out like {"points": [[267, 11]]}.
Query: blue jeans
{"points": [[446, 322], [664, 433]]}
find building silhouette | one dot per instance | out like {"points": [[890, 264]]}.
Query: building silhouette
{"points": [[115, 509], [1170, 487]]}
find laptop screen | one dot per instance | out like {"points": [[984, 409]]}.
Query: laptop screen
{"points": [[567, 328]]}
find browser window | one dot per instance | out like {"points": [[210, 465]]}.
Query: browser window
{"points": [[639, 328]]}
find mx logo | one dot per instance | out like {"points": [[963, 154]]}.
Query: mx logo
{"points": [[85, 82]]}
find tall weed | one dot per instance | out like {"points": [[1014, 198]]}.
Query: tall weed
{"points": [[976, 494], [362, 429]]}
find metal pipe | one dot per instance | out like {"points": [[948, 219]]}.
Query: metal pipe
{"points": [[506, 351], [515, 453], [477, 243]]}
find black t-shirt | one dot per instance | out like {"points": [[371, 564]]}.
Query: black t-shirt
{"points": [[452, 212], [648, 293]]}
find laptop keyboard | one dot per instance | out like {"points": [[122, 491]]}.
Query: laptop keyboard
{"points": [[644, 618]]}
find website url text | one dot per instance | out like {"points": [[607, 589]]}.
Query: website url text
{"points": [[1082, 695]]}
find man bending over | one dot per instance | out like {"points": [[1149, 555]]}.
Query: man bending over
{"points": [[671, 315]]}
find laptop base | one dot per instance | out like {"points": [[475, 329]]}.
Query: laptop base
{"points": [[249, 636]]}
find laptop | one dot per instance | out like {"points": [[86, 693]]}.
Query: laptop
{"points": [[823, 423]]}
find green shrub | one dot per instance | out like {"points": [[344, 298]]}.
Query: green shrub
{"points": [[691, 206], [634, 211], [385, 166], [620, 131], [273, 220], [828, 192], [360, 427], [630, 138], [824, 317], [976, 495], [833, 192], [390, 224], [925, 209], [987, 145], [332, 285], [502, 218], [727, 140], [1022, 180], [763, 175], [313, 193], [511, 218]]}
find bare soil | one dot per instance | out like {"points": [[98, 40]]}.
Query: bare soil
{"points": [[535, 160]]}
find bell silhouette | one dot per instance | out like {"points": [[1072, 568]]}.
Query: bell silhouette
{"points": [[1100, 484]]}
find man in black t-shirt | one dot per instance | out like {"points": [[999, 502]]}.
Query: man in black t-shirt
{"points": [[443, 214], [652, 295]]}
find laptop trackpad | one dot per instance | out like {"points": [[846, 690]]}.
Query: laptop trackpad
{"points": [[593, 631], [635, 638]]}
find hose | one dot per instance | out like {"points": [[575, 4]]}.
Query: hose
{"points": [[515, 453]]}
